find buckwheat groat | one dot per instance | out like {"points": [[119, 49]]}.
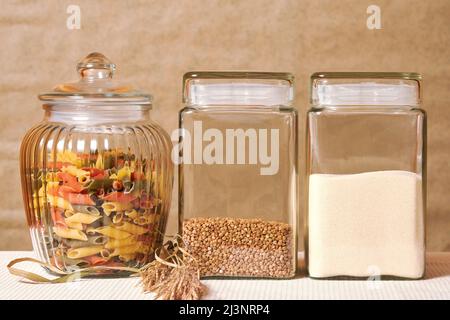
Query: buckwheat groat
{"points": [[240, 247]]}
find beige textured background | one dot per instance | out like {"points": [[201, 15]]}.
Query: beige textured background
{"points": [[155, 42]]}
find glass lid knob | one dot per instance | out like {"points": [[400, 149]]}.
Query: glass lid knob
{"points": [[95, 66], [96, 86]]}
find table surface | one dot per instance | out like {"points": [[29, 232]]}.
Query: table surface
{"points": [[435, 285]]}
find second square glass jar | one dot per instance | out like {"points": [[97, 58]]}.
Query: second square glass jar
{"points": [[238, 173], [367, 176]]}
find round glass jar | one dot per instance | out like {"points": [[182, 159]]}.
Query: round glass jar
{"points": [[96, 173]]}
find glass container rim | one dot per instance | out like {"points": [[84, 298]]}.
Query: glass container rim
{"points": [[96, 98], [256, 75], [367, 75]]}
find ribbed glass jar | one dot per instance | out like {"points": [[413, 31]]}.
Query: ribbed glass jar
{"points": [[96, 174]]}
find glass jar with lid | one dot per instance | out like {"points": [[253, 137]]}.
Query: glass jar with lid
{"points": [[238, 173], [366, 176], [96, 173]]}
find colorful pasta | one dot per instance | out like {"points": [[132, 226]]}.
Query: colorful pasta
{"points": [[133, 214], [68, 213], [118, 217], [84, 218], [84, 252], [144, 220], [113, 232], [59, 202], [140, 221], [101, 208], [91, 231], [117, 243], [87, 209], [74, 171], [131, 228], [74, 224], [68, 233], [116, 206], [92, 240], [137, 247], [127, 257]]}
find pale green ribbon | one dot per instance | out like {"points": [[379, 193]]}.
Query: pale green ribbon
{"points": [[63, 276], [171, 250]]}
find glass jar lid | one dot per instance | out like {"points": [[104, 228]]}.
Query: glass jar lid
{"points": [[366, 88], [205, 88], [96, 86]]}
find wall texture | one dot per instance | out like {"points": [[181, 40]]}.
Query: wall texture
{"points": [[155, 42]]}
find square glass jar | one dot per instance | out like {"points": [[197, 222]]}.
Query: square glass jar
{"points": [[238, 173], [366, 170]]}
